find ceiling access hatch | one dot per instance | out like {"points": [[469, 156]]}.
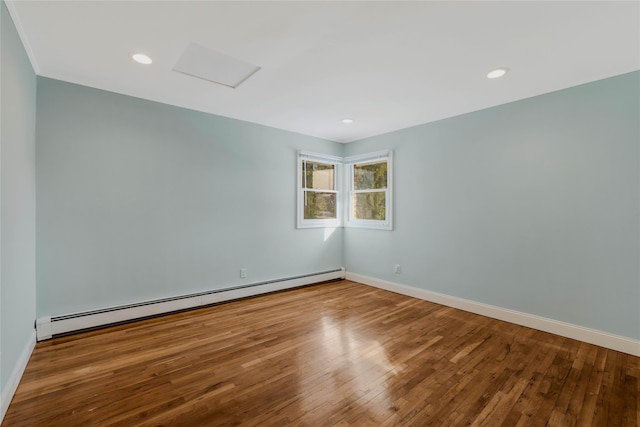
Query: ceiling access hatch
{"points": [[216, 67]]}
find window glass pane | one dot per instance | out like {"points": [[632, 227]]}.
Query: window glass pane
{"points": [[318, 176], [370, 176], [319, 205], [369, 205]]}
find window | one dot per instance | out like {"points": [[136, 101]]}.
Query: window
{"points": [[369, 190], [319, 201], [366, 196]]}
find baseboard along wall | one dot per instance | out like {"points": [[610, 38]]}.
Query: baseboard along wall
{"points": [[16, 375], [591, 336], [51, 326]]}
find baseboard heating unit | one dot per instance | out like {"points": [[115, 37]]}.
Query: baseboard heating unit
{"points": [[51, 326]]}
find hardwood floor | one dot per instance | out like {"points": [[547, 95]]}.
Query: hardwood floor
{"points": [[335, 354]]}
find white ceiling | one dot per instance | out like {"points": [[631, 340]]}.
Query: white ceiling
{"points": [[387, 65]]}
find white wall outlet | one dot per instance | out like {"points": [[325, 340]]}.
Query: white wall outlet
{"points": [[243, 273], [396, 269]]}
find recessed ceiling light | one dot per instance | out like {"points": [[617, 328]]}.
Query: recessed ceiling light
{"points": [[141, 58], [347, 121], [497, 72]]}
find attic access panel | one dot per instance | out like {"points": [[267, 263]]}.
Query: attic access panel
{"points": [[216, 67]]}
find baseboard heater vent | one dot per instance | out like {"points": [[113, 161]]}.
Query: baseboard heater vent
{"points": [[52, 326]]}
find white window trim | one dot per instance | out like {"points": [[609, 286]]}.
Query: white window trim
{"points": [[319, 223], [387, 224]]}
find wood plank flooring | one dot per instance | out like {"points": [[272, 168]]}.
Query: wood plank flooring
{"points": [[335, 354]]}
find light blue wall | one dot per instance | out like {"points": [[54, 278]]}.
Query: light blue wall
{"points": [[531, 206], [139, 200], [17, 198]]}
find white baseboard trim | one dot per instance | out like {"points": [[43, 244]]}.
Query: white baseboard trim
{"points": [[591, 336], [50, 326], [12, 385]]}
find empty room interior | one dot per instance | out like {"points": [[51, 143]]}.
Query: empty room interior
{"points": [[320, 213]]}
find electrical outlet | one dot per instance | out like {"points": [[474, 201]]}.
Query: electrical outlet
{"points": [[243, 273], [396, 269]]}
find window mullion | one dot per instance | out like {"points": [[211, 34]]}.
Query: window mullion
{"points": [[370, 191], [315, 190]]}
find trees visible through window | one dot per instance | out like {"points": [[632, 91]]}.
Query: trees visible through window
{"points": [[318, 190], [320, 195], [366, 195], [369, 190]]}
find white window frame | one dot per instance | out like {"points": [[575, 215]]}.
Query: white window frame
{"points": [[349, 162], [337, 179]]}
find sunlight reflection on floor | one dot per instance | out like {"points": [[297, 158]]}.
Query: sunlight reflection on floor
{"points": [[356, 366]]}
